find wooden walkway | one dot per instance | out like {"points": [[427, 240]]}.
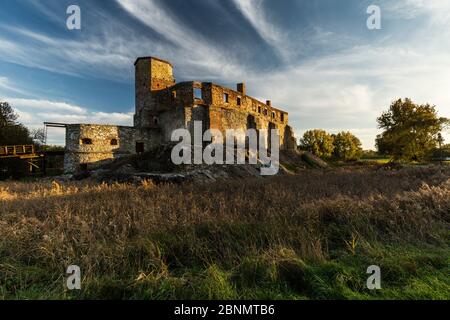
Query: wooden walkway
{"points": [[21, 152], [36, 160]]}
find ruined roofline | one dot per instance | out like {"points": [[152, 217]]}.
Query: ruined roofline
{"points": [[266, 105], [98, 124], [154, 58], [184, 83]]}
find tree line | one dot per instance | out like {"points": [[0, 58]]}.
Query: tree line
{"points": [[411, 132], [12, 132], [342, 146]]}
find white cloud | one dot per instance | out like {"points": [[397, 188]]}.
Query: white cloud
{"points": [[254, 12], [6, 85], [410, 9], [193, 49], [46, 105], [351, 89], [117, 118], [102, 56]]}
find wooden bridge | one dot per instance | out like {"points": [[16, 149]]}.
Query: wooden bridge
{"points": [[35, 159], [22, 152]]}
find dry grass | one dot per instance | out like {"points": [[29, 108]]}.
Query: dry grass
{"points": [[210, 240]]}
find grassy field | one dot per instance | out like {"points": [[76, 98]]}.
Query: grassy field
{"points": [[377, 160], [309, 236]]}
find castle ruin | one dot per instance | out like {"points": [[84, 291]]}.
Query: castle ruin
{"points": [[162, 106]]}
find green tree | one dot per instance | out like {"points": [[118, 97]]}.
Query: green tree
{"points": [[318, 142], [346, 146], [12, 132], [411, 131], [7, 115]]}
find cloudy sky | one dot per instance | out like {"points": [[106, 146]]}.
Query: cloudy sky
{"points": [[314, 58]]}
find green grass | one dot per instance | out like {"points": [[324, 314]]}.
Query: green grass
{"points": [[377, 160], [406, 273]]}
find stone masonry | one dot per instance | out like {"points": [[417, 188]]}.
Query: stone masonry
{"points": [[162, 105], [88, 146]]}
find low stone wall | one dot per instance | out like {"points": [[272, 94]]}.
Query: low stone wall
{"points": [[89, 146]]}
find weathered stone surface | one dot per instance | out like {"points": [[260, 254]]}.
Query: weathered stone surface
{"points": [[90, 146]]}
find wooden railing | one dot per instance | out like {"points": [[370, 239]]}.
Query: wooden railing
{"points": [[16, 151]]}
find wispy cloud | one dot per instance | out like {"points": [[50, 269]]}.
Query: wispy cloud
{"points": [[46, 105], [109, 50], [6, 85], [253, 11], [196, 52], [107, 55], [410, 9]]}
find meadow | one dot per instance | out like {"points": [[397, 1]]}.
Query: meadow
{"points": [[305, 236]]}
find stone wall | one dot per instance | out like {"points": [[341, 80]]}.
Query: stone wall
{"points": [[151, 76], [89, 146], [165, 106], [216, 110], [232, 109]]}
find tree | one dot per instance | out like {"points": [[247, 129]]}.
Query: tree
{"points": [[318, 142], [441, 153], [11, 132], [410, 130], [38, 135], [7, 115], [346, 146]]}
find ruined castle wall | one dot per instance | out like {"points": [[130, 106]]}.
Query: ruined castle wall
{"points": [[161, 74], [236, 110], [142, 90], [89, 146], [152, 75], [173, 108], [170, 121]]}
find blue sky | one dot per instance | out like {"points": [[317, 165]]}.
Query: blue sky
{"points": [[314, 58]]}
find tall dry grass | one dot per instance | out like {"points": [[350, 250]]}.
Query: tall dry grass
{"points": [[144, 232]]}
